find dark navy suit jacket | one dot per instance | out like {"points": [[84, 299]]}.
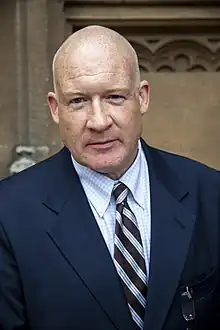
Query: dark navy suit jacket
{"points": [[56, 271]]}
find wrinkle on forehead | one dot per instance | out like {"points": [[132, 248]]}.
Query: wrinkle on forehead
{"points": [[97, 74], [94, 50]]}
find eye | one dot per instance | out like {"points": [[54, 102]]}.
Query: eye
{"points": [[116, 98], [78, 100]]}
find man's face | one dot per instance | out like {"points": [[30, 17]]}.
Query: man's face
{"points": [[99, 112]]}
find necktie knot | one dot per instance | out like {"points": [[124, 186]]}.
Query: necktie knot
{"points": [[120, 192]]}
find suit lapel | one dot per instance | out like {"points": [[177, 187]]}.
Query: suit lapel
{"points": [[77, 236], [171, 230]]}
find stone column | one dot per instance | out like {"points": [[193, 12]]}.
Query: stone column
{"points": [[35, 35]]}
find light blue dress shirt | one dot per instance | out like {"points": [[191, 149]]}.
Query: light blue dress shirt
{"points": [[98, 189]]}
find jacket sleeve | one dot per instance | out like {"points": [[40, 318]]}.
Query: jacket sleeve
{"points": [[12, 311]]}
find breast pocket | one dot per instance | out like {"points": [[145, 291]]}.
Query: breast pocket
{"points": [[198, 301], [205, 286]]}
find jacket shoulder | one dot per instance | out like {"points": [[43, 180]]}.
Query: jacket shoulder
{"points": [[32, 179], [188, 170]]}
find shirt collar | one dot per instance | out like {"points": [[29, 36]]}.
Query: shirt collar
{"points": [[132, 178], [98, 187]]}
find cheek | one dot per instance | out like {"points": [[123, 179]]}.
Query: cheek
{"points": [[132, 128], [131, 121], [71, 131]]}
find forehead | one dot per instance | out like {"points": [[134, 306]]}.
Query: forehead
{"points": [[93, 77], [100, 64], [97, 83]]}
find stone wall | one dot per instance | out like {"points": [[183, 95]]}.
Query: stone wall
{"points": [[178, 44]]}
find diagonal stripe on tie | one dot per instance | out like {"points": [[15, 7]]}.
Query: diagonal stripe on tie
{"points": [[133, 291], [131, 245], [136, 317], [129, 256], [130, 222], [136, 243], [130, 216], [128, 269], [130, 260]]}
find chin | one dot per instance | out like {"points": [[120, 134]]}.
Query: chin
{"points": [[111, 170], [101, 169]]}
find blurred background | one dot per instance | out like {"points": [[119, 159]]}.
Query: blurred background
{"points": [[178, 45]]}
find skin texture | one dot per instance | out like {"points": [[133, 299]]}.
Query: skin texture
{"points": [[98, 99]]}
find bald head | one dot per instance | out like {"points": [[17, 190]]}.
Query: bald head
{"points": [[99, 100], [92, 49]]}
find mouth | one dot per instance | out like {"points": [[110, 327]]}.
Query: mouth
{"points": [[102, 144]]}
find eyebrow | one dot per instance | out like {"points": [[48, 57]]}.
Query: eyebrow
{"points": [[118, 89], [71, 93], [108, 91]]}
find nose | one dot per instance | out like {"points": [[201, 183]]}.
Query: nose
{"points": [[99, 120]]}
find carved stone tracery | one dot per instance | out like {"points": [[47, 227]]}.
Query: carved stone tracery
{"points": [[168, 35], [177, 53]]}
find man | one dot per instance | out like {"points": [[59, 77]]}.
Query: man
{"points": [[109, 233]]}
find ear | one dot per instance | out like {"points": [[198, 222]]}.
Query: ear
{"points": [[53, 105], [144, 92]]}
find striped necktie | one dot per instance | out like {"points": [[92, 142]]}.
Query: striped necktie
{"points": [[129, 256]]}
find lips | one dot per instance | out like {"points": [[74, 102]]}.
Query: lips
{"points": [[105, 145], [101, 142]]}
